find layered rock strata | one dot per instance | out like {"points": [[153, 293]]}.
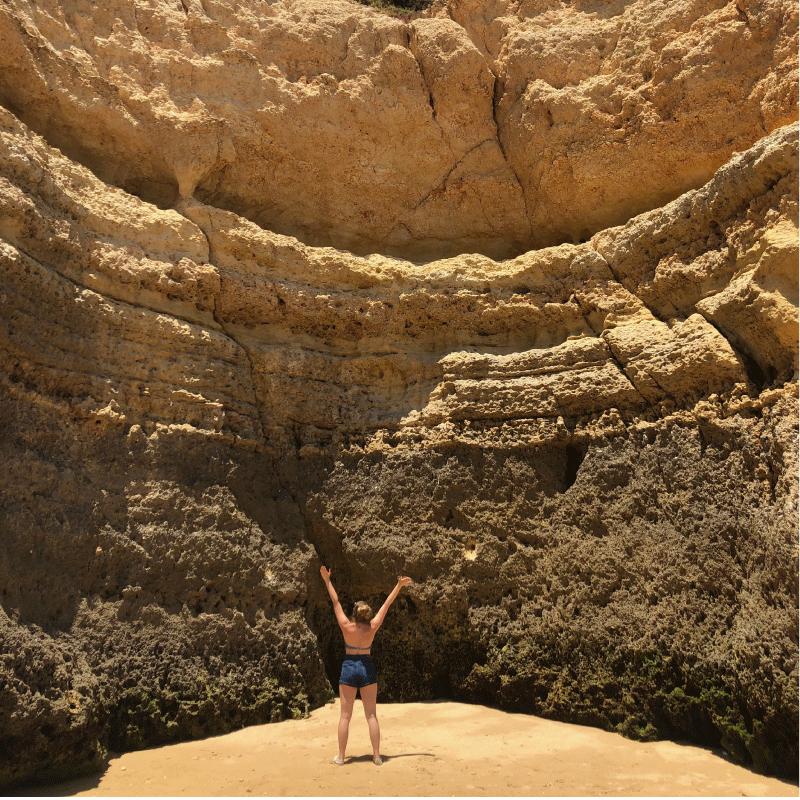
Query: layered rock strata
{"points": [[585, 455]]}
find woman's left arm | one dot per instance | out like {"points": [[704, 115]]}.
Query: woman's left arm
{"points": [[377, 620], [341, 617]]}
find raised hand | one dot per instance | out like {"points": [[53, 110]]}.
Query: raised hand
{"points": [[325, 572], [403, 581]]}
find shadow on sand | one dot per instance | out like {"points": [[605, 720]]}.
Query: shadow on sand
{"points": [[368, 759], [62, 788]]}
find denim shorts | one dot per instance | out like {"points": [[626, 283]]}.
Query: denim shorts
{"points": [[358, 671]]}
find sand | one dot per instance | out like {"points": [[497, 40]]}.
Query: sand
{"points": [[430, 749]]}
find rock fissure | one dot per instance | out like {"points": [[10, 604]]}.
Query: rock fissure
{"points": [[123, 300], [430, 98], [441, 185], [623, 371], [754, 371], [225, 329], [496, 94]]}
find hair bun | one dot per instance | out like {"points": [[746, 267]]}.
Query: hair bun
{"points": [[362, 612]]}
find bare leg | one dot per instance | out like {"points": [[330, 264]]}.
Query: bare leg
{"points": [[347, 696], [369, 697]]}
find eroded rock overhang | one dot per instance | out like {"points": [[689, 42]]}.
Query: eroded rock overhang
{"points": [[492, 128]]}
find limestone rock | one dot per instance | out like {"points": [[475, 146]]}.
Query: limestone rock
{"points": [[492, 127], [585, 454], [761, 301]]}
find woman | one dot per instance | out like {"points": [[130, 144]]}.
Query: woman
{"points": [[358, 671]]}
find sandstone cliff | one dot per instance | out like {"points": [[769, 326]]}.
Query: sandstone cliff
{"points": [[580, 440], [493, 127]]}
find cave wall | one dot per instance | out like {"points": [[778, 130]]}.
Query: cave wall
{"points": [[585, 455]]}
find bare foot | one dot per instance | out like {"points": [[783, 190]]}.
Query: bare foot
{"points": [[377, 760]]}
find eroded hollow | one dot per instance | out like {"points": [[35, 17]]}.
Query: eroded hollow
{"points": [[573, 459]]}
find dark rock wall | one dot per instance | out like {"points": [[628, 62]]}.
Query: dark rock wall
{"points": [[656, 595], [140, 602]]}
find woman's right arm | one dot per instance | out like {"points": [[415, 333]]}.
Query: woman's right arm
{"points": [[377, 620]]}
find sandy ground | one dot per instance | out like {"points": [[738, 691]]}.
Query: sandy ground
{"points": [[430, 749]]}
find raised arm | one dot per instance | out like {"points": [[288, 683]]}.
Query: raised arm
{"points": [[377, 620], [341, 617]]}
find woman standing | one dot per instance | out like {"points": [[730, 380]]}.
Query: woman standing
{"points": [[358, 671]]}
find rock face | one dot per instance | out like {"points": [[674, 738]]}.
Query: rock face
{"points": [[585, 454], [493, 127]]}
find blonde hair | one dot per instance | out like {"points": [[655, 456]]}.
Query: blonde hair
{"points": [[362, 612]]}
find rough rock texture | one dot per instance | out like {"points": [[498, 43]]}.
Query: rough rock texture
{"points": [[585, 455], [493, 126]]}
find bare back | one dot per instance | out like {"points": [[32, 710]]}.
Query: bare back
{"points": [[358, 636]]}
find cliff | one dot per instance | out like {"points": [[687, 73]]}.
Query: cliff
{"points": [[503, 297]]}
